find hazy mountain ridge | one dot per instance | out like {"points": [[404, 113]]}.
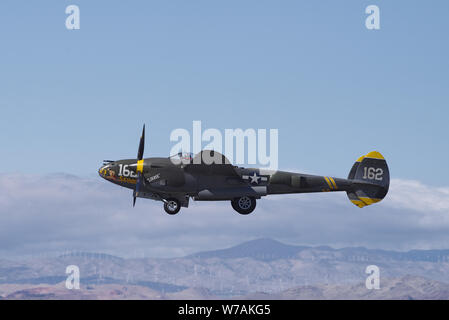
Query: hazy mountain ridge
{"points": [[262, 265], [269, 249], [404, 288]]}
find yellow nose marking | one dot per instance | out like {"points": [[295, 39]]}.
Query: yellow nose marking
{"points": [[140, 166]]}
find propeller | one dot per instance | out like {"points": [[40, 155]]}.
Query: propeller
{"points": [[139, 169]]}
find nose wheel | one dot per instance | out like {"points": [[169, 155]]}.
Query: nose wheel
{"points": [[244, 205], [172, 206]]}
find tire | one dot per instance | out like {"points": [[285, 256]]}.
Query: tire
{"points": [[244, 205], [172, 206]]}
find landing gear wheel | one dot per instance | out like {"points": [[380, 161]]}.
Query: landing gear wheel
{"points": [[172, 206], [244, 205]]}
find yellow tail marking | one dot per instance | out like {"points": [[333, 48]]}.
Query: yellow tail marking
{"points": [[372, 155], [328, 182], [358, 203], [333, 182], [375, 155], [369, 201], [140, 166]]}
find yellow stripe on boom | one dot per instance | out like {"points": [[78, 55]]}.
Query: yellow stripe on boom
{"points": [[333, 182], [328, 182]]}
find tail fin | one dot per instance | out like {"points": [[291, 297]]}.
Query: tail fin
{"points": [[370, 179]]}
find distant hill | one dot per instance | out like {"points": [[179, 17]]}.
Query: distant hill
{"points": [[269, 249], [91, 255], [98, 292], [260, 249], [404, 288]]}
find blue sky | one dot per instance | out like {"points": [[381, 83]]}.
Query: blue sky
{"points": [[310, 69], [334, 89]]}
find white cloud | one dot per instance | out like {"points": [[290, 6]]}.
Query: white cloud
{"points": [[55, 213], [411, 194]]}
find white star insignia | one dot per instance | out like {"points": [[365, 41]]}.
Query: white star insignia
{"points": [[254, 178]]}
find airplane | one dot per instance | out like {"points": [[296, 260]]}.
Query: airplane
{"points": [[209, 176]]}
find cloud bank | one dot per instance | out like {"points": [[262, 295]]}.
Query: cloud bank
{"points": [[52, 214]]}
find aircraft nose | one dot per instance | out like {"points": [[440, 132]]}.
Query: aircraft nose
{"points": [[102, 171], [108, 171]]}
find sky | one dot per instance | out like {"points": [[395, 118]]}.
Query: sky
{"points": [[311, 69]]}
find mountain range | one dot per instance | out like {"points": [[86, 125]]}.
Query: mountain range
{"points": [[257, 268]]}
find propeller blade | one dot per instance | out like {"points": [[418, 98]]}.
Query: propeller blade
{"points": [[141, 145], [140, 182], [136, 190]]}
